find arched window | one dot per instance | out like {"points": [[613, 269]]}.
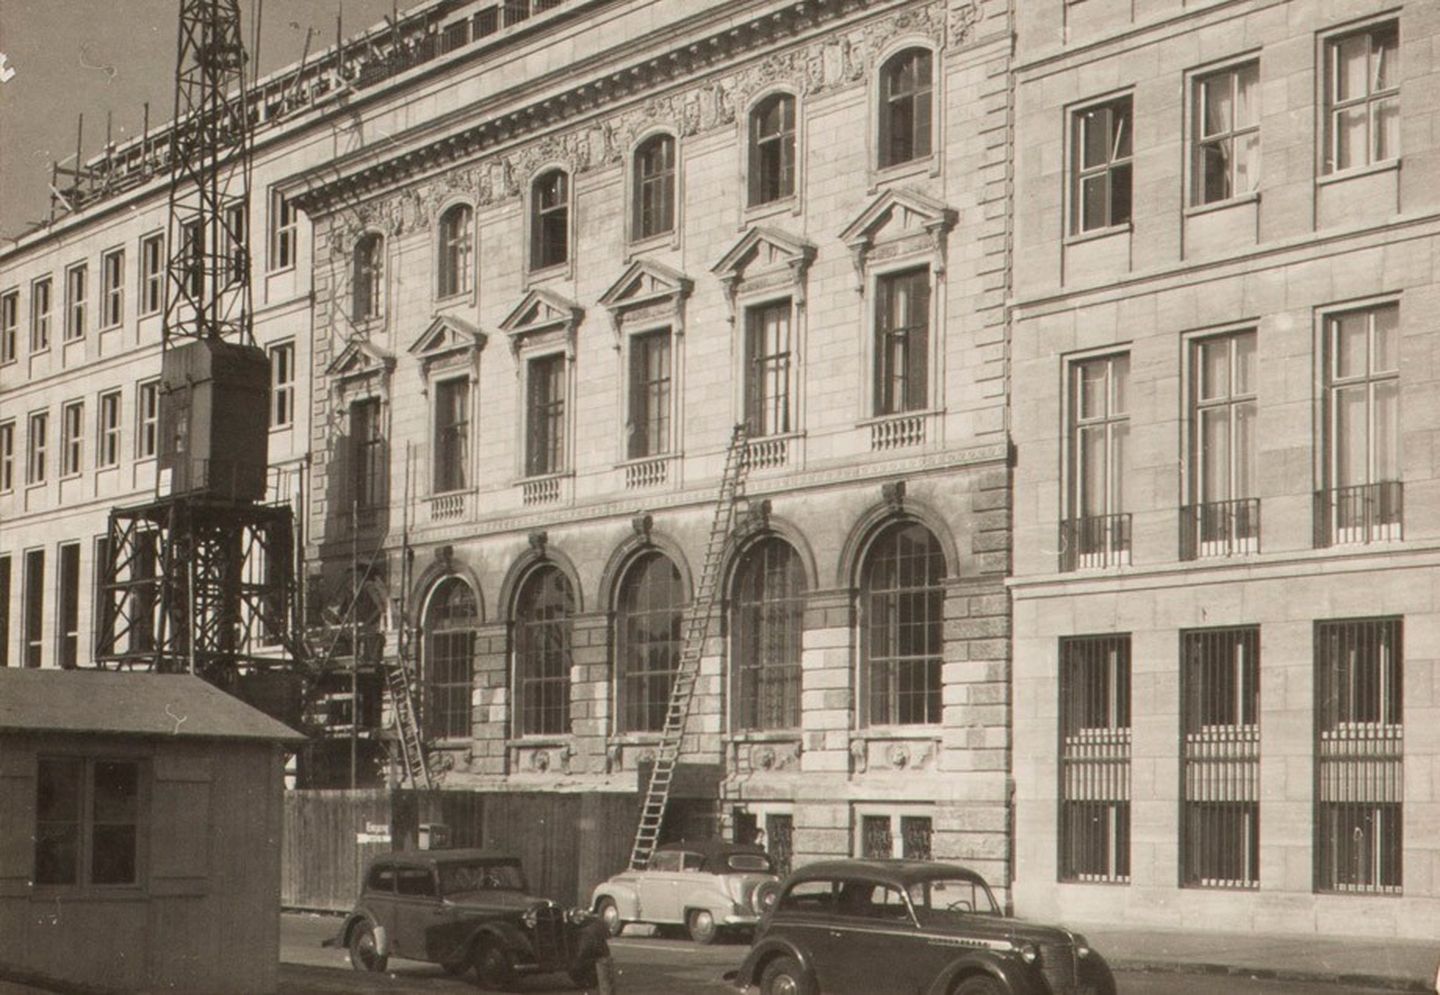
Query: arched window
{"points": [[772, 149], [450, 622], [654, 186], [767, 612], [456, 251], [543, 610], [550, 219], [648, 641], [902, 622], [369, 263], [905, 107]]}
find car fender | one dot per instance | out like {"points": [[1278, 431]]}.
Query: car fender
{"points": [[593, 942], [624, 895], [508, 934], [708, 896], [767, 949], [1018, 977]]}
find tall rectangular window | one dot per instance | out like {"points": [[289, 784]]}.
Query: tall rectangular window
{"points": [[147, 420], [649, 426], [72, 438], [367, 442], [67, 602], [1097, 532], [87, 821], [112, 288], [767, 369], [7, 456], [545, 416], [4, 611], [1226, 134], [1100, 166], [152, 273], [237, 258], [1363, 496], [282, 384], [108, 436], [1362, 97], [452, 435], [1220, 747], [1223, 514], [192, 242], [77, 281], [32, 618], [40, 315], [282, 232], [1095, 758], [9, 326], [37, 445], [902, 341], [1360, 750]]}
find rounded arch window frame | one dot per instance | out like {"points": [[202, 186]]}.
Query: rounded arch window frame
{"points": [[791, 201], [880, 170], [378, 276], [466, 288], [534, 269], [427, 652], [635, 237], [623, 573], [531, 573], [737, 562]]}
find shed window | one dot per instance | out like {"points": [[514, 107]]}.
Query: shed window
{"points": [[87, 821]]}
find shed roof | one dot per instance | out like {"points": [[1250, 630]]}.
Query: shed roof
{"points": [[128, 704]]}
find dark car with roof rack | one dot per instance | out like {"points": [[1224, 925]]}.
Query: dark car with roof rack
{"points": [[469, 909], [910, 927], [710, 887]]}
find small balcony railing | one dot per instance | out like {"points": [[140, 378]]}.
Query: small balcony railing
{"points": [[767, 453], [543, 490], [1359, 514], [1220, 528], [1095, 541], [898, 431], [652, 471], [449, 506]]}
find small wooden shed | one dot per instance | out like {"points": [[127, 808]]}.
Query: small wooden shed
{"points": [[140, 821]]}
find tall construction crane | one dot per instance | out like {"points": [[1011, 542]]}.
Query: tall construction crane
{"points": [[175, 595]]}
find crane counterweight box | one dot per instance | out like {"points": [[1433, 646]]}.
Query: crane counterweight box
{"points": [[214, 432]]}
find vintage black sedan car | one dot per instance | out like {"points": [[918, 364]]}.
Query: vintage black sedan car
{"points": [[910, 927], [468, 910]]}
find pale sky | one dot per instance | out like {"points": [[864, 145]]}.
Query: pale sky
{"points": [[92, 56]]}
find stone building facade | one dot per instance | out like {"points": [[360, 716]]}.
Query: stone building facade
{"points": [[1226, 488], [541, 304]]}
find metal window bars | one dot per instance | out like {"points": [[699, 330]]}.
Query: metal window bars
{"points": [[1359, 514], [1220, 528], [1094, 831], [1095, 541]]}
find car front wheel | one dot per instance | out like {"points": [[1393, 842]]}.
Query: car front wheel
{"points": [[783, 976], [364, 951], [702, 926], [609, 914], [494, 970]]}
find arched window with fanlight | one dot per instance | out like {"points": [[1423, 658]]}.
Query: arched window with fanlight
{"points": [[905, 106], [902, 618], [448, 669], [544, 608], [767, 614], [648, 620], [549, 219], [456, 251], [654, 187], [368, 277], [772, 149]]}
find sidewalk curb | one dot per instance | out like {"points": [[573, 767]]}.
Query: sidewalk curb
{"points": [[1388, 982]]}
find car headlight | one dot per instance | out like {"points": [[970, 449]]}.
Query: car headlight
{"points": [[578, 917], [532, 916], [1029, 953]]}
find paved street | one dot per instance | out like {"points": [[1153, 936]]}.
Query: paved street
{"points": [[662, 967]]}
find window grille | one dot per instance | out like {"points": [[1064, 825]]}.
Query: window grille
{"points": [[1095, 759], [1359, 756], [902, 626], [767, 623], [887, 836], [780, 840], [648, 623], [1220, 750], [544, 608]]}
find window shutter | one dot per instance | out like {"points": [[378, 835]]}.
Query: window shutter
{"points": [[17, 821], [179, 825]]}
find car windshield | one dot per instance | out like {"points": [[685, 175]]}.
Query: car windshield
{"points": [[756, 862], [459, 878], [940, 900]]}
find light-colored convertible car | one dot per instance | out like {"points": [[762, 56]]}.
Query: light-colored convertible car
{"points": [[707, 886]]}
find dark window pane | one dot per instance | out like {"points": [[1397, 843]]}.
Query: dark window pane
{"points": [[59, 783]]}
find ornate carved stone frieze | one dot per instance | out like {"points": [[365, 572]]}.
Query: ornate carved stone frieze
{"points": [[842, 58], [647, 292]]}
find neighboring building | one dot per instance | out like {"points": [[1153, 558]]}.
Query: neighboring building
{"points": [[543, 299], [1226, 488], [138, 836]]}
